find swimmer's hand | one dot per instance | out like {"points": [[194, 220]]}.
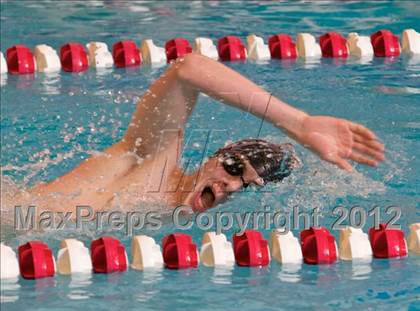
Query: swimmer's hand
{"points": [[337, 140]]}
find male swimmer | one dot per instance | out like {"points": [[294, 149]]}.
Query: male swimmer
{"points": [[129, 166]]}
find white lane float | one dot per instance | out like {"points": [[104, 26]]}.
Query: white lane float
{"points": [[146, 253], [9, 263], [73, 257], [354, 245], [3, 64], [257, 49], [216, 250], [206, 47], [410, 42], [359, 46], [152, 54], [3, 79], [285, 247], [46, 59], [307, 46], [99, 55], [414, 238]]}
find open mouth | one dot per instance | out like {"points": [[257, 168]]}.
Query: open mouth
{"points": [[207, 197]]}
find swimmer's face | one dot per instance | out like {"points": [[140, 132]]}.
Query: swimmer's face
{"points": [[215, 183]]}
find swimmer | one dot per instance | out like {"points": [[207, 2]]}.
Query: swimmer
{"points": [[148, 155]]}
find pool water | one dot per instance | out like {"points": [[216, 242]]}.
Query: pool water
{"points": [[49, 123]]}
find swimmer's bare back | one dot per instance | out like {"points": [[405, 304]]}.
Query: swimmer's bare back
{"points": [[153, 140]]}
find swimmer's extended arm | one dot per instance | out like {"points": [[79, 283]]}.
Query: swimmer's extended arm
{"points": [[165, 108], [168, 103], [171, 99]]}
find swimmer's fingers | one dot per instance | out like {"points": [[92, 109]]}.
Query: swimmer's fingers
{"points": [[358, 157], [371, 143], [361, 130], [368, 150], [342, 163]]}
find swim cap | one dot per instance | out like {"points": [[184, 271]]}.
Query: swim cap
{"points": [[272, 162]]}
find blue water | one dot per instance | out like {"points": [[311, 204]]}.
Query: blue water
{"points": [[49, 123]]}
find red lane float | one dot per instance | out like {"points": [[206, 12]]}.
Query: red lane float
{"points": [[231, 48], [387, 243], [318, 246], [73, 57], [179, 251], [177, 47], [282, 47], [126, 54], [385, 43], [20, 60], [251, 249], [333, 45], [108, 255], [36, 260]]}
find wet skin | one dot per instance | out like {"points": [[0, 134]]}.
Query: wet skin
{"points": [[135, 164]]}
